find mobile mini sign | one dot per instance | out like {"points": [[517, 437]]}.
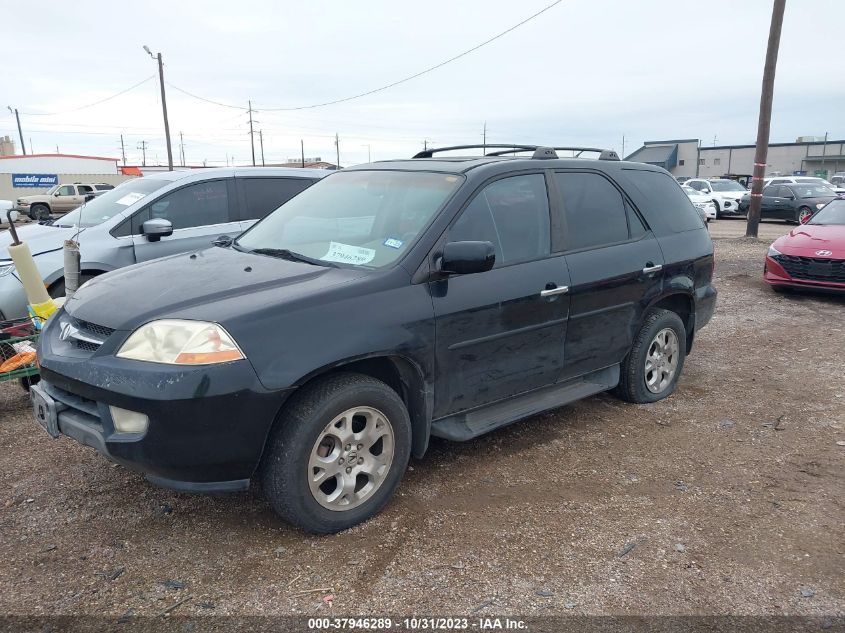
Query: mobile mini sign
{"points": [[34, 181]]}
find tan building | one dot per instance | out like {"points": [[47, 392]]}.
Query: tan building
{"points": [[7, 146]]}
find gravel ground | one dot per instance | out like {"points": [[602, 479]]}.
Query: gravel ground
{"points": [[726, 498]]}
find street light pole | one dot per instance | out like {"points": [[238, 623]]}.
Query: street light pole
{"points": [[163, 105], [20, 132], [369, 155]]}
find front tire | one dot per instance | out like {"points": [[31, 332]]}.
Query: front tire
{"points": [[337, 453], [651, 370]]}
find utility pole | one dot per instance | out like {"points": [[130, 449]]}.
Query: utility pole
{"points": [[182, 149], [30, 145], [143, 147], [163, 105], [337, 146], [369, 154], [484, 136], [765, 122], [623, 147], [824, 153], [20, 132], [251, 133], [57, 149], [302, 150], [261, 141], [122, 150], [714, 140]]}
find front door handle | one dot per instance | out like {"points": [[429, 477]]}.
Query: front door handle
{"points": [[552, 292], [650, 268]]}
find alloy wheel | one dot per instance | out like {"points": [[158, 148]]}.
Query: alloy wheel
{"points": [[661, 362], [351, 458]]}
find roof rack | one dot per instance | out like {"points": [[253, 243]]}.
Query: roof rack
{"points": [[540, 152]]}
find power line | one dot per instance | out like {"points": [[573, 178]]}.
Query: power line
{"points": [[390, 85], [91, 105]]}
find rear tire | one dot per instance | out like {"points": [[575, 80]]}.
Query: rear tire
{"points": [[315, 451], [651, 370], [803, 212]]}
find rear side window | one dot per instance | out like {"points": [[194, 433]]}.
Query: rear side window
{"points": [[663, 203], [594, 210], [513, 214], [264, 195]]}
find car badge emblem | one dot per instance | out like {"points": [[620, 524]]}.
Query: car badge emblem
{"points": [[824, 253], [67, 331]]}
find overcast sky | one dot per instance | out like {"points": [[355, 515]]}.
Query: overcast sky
{"points": [[584, 72]]}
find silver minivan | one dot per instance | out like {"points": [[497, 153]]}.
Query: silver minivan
{"points": [[145, 218]]}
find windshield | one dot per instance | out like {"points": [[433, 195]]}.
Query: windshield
{"points": [[690, 191], [812, 191], [359, 218], [110, 203], [51, 190], [833, 213], [726, 185]]}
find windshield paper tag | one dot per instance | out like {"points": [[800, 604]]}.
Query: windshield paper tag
{"points": [[129, 198], [392, 242], [346, 254]]}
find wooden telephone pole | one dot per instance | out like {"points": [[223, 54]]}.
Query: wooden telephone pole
{"points": [[765, 122]]}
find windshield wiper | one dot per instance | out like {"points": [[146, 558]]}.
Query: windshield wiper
{"points": [[284, 253]]}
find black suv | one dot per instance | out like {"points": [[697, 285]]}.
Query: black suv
{"points": [[387, 303]]}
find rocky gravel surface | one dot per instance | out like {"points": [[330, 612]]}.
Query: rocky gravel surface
{"points": [[726, 498]]}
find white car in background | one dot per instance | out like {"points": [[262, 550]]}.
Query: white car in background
{"points": [[701, 202], [804, 180], [725, 194]]}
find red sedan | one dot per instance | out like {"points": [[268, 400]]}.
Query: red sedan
{"points": [[811, 255]]}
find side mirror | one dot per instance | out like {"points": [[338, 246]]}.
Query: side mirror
{"points": [[465, 258], [706, 190], [156, 229], [224, 241], [56, 195]]}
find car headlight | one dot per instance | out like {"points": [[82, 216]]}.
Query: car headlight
{"points": [[773, 251], [181, 342], [6, 269]]}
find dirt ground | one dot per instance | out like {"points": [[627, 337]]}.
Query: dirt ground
{"points": [[726, 498]]}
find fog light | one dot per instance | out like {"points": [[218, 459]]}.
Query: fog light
{"points": [[128, 421]]}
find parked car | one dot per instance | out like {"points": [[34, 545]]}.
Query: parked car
{"points": [[838, 179], [703, 203], [793, 203], [161, 214], [387, 303], [803, 180], [58, 199], [811, 255], [725, 194]]}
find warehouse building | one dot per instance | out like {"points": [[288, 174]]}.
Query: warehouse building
{"points": [[36, 173], [807, 156]]}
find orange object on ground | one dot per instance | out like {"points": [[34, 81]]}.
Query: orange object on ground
{"points": [[17, 361]]}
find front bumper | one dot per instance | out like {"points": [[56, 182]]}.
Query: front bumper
{"points": [[207, 424], [775, 275]]}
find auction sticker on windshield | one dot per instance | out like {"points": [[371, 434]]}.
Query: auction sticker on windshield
{"points": [[129, 198], [347, 254]]}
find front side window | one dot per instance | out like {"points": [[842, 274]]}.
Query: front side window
{"points": [[199, 204], [771, 191], [67, 190], [785, 192], [268, 194], [361, 218], [512, 214], [594, 209]]}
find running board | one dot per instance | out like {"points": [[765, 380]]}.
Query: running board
{"points": [[469, 424]]}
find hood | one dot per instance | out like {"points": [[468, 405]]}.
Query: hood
{"points": [[210, 284], [40, 238], [805, 240], [700, 197]]}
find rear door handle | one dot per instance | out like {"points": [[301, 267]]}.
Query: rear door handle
{"points": [[551, 292], [652, 269]]}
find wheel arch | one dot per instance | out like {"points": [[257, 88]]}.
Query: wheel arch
{"points": [[402, 375], [682, 304]]}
